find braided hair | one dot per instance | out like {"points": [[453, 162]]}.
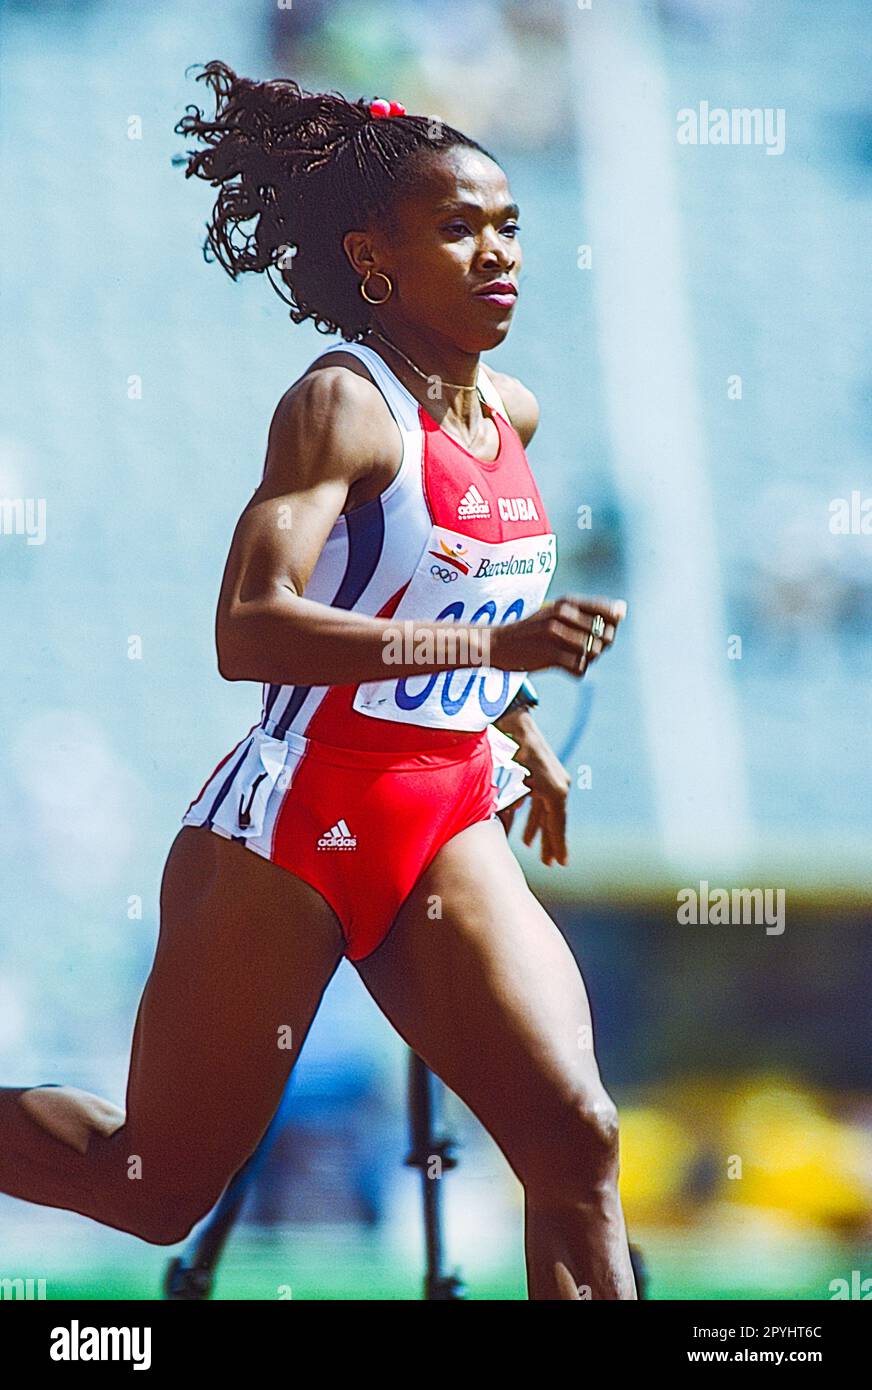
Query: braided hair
{"points": [[305, 168]]}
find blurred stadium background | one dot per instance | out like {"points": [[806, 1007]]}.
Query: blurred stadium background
{"points": [[137, 390]]}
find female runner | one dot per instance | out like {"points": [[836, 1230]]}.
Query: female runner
{"points": [[386, 584]]}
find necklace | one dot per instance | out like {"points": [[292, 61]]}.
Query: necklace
{"points": [[454, 385]]}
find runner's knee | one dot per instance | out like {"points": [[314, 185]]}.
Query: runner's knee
{"points": [[171, 1219], [577, 1159], [163, 1208], [174, 1190]]}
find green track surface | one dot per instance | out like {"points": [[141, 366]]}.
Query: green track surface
{"points": [[343, 1265]]}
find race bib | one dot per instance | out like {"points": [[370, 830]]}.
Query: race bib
{"points": [[461, 580]]}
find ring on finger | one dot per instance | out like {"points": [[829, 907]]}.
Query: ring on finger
{"points": [[597, 628]]}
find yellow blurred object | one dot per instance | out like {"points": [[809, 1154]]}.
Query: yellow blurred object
{"points": [[794, 1157], [657, 1151]]}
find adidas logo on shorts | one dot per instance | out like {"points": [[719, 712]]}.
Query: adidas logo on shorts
{"points": [[338, 837], [473, 504]]}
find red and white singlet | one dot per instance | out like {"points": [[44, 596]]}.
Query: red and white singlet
{"points": [[356, 787]]}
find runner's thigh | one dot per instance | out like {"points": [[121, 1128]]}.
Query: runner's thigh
{"points": [[244, 954], [479, 981]]}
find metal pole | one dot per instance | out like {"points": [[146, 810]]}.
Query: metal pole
{"points": [[434, 1156]]}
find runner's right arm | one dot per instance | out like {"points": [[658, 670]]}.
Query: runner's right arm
{"points": [[325, 436]]}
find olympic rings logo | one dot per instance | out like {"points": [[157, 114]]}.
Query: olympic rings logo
{"points": [[447, 576]]}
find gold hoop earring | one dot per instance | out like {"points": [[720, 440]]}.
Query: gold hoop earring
{"points": [[364, 283]]}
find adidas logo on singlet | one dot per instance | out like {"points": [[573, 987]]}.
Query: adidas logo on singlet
{"points": [[338, 837], [473, 504]]}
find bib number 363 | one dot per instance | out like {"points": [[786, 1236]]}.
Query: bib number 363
{"points": [[454, 688], [489, 584]]}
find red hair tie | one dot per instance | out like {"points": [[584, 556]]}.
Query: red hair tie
{"points": [[381, 107]]}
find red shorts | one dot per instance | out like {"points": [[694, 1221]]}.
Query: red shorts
{"points": [[360, 827]]}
